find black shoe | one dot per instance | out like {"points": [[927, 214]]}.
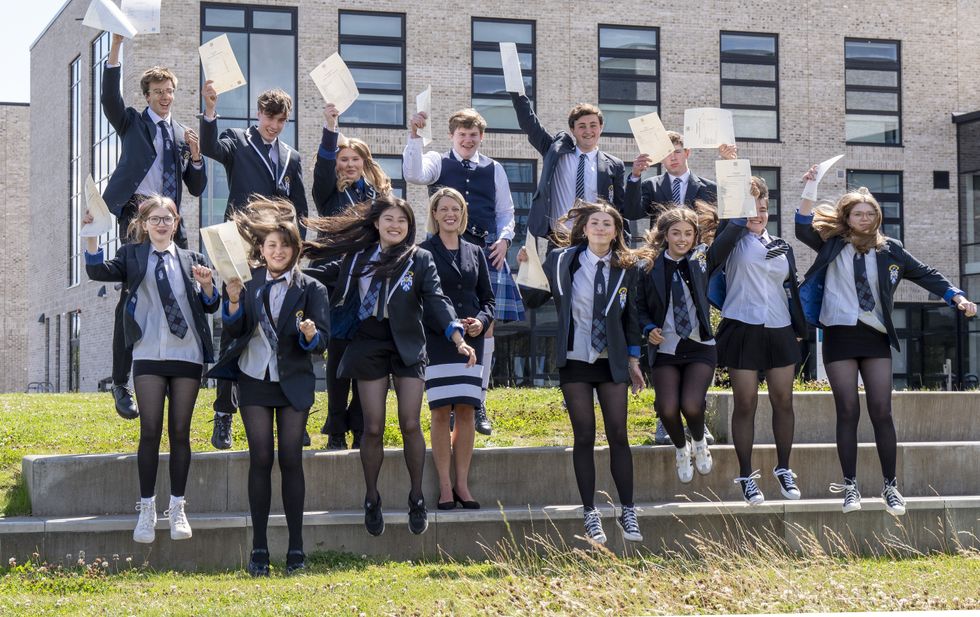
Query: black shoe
{"points": [[307, 442], [221, 433], [258, 562], [482, 422], [125, 405], [324, 430], [418, 518], [661, 438], [295, 561], [374, 519], [355, 443], [467, 505], [337, 442], [447, 505]]}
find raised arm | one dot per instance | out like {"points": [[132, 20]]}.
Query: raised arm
{"points": [[113, 105], [803, 226], [419, 168], [537, 136], [725, 243], [325, 169], [212, 147]]}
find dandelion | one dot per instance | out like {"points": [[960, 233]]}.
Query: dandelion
{"points": [[12, 562], [129, 560]]}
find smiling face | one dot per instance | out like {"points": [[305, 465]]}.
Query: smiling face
{"points": [[448, 215], [757, 224], [277, 252], [466, 141], [160, 225], [680, 239], [392, 227], [863, 217], [600, 230], [350, 165], [160, 97], [587, 130], [271, 125]]}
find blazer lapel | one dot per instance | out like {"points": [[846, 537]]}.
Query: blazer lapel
{"points": [[658, 279], [616, 277], [143, 258], [443, 253], [185, 267], [284, 156], [563, 269], [259, 146], [293, 293], [601, 173], [693, 185]]}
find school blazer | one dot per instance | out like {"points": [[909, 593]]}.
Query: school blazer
{"points": [[652, 196], [129, 266], [718, 290], [305, 299], [327, 199], [466, 285], [610, 171], [654, 294], [248, 171], [137, 131], [414, 294], [894, 264], [622, 320]]}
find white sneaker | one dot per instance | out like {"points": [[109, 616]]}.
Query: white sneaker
{"points": [[702, 457], [894, 502], [180, 528], [682, 460], [593, 526], [852, 497], [146, 525]]}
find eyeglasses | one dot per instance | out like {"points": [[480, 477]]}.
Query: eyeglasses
{"points": [[162, 91], [157, 220]]}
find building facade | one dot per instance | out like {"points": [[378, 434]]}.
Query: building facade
{"points": [[805, 80], [15, 211]]}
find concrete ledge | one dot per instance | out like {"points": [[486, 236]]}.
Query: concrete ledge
{"points": [[931, 524], [108, 484]]}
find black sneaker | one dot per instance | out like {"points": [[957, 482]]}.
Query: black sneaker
{"points": [[787, 482], [337, 441], [593, 526], [221, 433], [258, 562], [661, 438], [852, 497], [418, 519], [750, 490], [295, 562], [374, 520], [482, 422], [894, 502], [125, 405], [629, 525], [307, 442]]}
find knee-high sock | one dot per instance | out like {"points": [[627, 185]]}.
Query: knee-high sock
{"points": [[488, 346]]}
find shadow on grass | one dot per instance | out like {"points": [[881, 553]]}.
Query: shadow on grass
{"points": [[15, 500]]}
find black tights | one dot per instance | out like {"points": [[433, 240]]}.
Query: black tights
{"points": [[374, 393], [745, 388], [877, 376], [682, 389], [151, 391], [261, 454], [581, 411]]}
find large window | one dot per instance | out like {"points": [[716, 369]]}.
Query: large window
{"points": [[629, 75], [873, 92], [886, 186], [264, 42], [522, 174], [771, 176], [373, 46], [392, 165], [750, 84], [75, 181], [105, 142], [489, 96]]}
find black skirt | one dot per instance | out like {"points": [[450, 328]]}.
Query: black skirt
{"points": [[854, 342], [260, 393], [756, 347], [168, 368], [688, 351], [372, 354], [576, 371]]}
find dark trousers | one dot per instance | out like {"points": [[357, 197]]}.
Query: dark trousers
{"points": [[223, 401], [341, 417]]}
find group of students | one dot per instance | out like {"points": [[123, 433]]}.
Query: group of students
{"points": [[386, 309]]}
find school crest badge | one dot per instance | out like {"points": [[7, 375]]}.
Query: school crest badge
{"points": [[702, 260], [893, 274], [408, 280], [299, 318], [622, 297]]}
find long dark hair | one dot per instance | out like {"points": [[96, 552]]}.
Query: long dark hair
{"points": [[263, 217], [354, 229], [622, 256], [702, 217]]}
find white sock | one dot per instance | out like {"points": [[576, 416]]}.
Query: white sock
{"points": [[681, 450], [149, 501], [487, 364], [174, 500], [222, 413], [703, 442]]}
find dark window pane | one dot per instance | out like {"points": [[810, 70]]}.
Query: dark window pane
{"points": [[499, 113], [370, 25], [273, 64], [224, 18], [861, 77], [377, 78], [755, 123], [892, 230], [518, 172], [272, 20], [748, 95], [747, 44], [891, 209], [371, 53], [619, 38], [628, 66], [494, 84], [628, 89], [392, 166], [872, 101], [875, 51], [616, 116], [498, 32], [376, 109], [754, 72], [491, 60], [876, 182]]}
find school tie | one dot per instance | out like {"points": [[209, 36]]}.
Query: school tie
{"points": [[370, 299], [169, 163], [175, 319], [599, 310], [268, 156], [580, 177], [865, 299], [467, 164], [682, 320], [265, 314], [775, 248], [675, 189]]}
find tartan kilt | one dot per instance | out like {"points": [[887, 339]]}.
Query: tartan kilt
{"points": [[508, 303]]}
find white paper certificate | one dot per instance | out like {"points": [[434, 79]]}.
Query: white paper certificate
{"points": [[651, 136], [101, 218], [104, 15], [735, 198], [227, 250], [511, 63], [423, 103], [220, 65], [144, 15], [335, 83], [810, 190], [708, 127], [532, 273]]}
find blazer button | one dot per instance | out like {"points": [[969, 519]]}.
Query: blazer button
{"points": [[467, 181], [459, 286], [459, 305]]}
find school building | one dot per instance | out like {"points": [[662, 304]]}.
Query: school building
{"points": [[891, 86]]}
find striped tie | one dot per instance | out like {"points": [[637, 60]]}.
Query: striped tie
{"points": [[676, 190], [175, 318], [682, 319], [775, 248], [580, 177], [861, 284], [599, 339]]}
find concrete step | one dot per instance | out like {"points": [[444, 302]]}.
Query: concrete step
{"points": [[224, 540], [919, 416], [512, 477]]}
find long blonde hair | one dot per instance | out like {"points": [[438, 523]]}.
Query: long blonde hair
{"points": [[263, 217], [702, 217], [373, 174], [622, 256], [135, 231], [431, 225], [831, 220]]}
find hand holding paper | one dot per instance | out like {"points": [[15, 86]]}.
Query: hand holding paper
{"points": [[423, 104], [335, 82], [735, 198], [97, 210], [511, 62], [228, 251], [104, 15], [810, 190], [708, 127], [220, 65], [651, 136], [531, 274]]}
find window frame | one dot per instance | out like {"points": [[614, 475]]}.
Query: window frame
{"points": [[897, 89], [735, 58], [75, 171], [635, 54], [397, 184], [99, 48], [380, 41], [476, 46], [778, 195], [880, 197]]}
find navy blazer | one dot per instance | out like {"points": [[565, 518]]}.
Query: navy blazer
{"points": [[622, 319], [652, 196], [305, 299], [467, 284], [702, 261], [249, 171], [610, 171], [894, 264], [328, 200], [138, 153], [414, 294], [129, 267], [718, 290]]}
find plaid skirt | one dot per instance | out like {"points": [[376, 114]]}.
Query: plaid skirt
{"points": [[508, 303]]}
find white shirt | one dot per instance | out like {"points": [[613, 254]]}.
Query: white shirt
{"points": [[563, 196], [671, 338], [840, 302], [152, 182], [364, 284], [583, 296], [425, 169], [685, 179], [158, 342], [755, 293], [258, 356]]}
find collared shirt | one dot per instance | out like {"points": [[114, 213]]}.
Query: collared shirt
{"points": [[840, 302], [152, 182], [258, 356], [583, 296], [419, 168], [755, 293], [158, 342], [563, 197], [685, 179], [671, 338], [364, 283]]}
